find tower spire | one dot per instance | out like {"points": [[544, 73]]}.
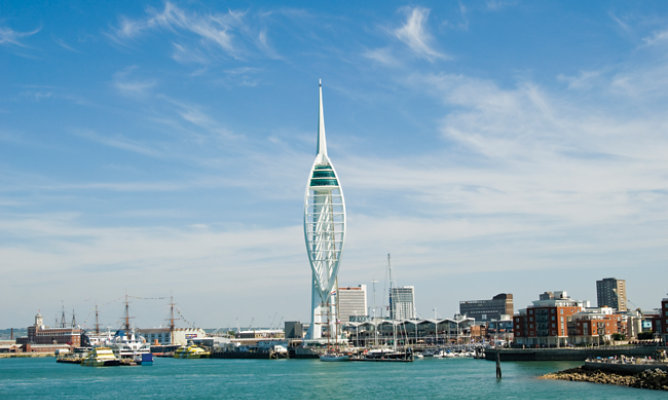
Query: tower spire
{"points": [[322, 141]]}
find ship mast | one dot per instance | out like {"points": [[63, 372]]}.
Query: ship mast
{"points": [[171, 319], [127, 313], [74, 320], [62, 316], [389, 272], [97, 321], [393, 314]]}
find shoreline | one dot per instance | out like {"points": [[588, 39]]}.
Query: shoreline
{"points": [[26, 355], [654, 379]]}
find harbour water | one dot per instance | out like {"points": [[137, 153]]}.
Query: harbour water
{"points": [[43, 378]]}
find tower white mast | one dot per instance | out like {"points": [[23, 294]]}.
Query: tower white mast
{"points": [[324, 232]]}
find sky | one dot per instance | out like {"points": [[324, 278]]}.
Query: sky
{"points": [[162, 148]]}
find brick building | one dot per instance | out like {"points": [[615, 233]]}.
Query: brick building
{"points": [[594, 326], [545, 322], [664, 320], [43, 335]]}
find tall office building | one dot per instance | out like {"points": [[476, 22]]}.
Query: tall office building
{"points": [[487, 310], [402, 303], [324, 232], [352, 303], [611, 292]]}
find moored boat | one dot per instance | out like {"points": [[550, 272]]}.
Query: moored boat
{"points": [[131, 348], [386, 355], [191, 352], [100, 357], [333, 356]]}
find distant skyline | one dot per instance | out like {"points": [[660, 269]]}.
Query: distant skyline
{"points": [[162, 148]]}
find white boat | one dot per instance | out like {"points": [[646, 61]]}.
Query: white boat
{"points": [[130, 346], [385, 354], [332, 356]]}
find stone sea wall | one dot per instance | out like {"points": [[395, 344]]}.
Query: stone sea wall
{"points": [[656, 378]]}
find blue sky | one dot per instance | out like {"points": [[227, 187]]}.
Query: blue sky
{"points": [[162, 148]]}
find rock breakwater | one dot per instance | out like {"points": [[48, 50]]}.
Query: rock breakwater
{"points": [[655, 379]]}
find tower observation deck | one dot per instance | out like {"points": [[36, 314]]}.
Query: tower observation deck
{"points": [[324, 232]]}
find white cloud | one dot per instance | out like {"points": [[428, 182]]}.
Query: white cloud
{"points": [[222, 31], [199, 258], [584, 80], [8, 36], [496, 5], [132, 86], [656, 38], [621, 23], [120, 142], [383, 56], [414, 34]]}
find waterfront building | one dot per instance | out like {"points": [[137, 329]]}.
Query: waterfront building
{"points": [[294, 330], [501, 328], [261, 334], [594, 326], [411, 331], [611, 292], [487, 310], [664, 320], [166, 336], [352, 303], [402, 303], [39, 334], [651, 321], [324, 233], [633, 323], [545, 322]]}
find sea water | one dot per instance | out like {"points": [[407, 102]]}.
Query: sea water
{"points": [[167, 378]]}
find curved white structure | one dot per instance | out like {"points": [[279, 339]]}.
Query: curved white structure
{"points": [[324, 232]]}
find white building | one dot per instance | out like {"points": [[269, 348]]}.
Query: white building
{"points": [[402, 303], [352, 303], [324, 231], [179, 336]]}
